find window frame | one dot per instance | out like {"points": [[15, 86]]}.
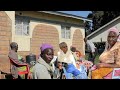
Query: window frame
{"points": [[66, 34], [24, 22]]}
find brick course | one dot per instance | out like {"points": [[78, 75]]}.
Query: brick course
{"points": [[44, 34], [78, 40], [5, 38]]}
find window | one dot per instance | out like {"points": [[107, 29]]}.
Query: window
{"points": [[21, 26], [65, 32]]}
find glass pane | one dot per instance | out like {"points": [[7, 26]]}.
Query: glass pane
{"points": [[67, 34], [25, 29], [22, 26], [63, 32], [18, 29], [63, 27], [67, 28]]}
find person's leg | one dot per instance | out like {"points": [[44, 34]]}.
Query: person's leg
{"points": [[90, 57], [95, 54]]}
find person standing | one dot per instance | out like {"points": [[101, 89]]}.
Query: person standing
{"points": [[42, 68], [90, 49]]}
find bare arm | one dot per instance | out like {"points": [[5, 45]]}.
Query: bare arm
{"points": [[106, 65], [13, 56]]}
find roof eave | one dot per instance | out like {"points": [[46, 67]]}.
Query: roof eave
{"points": [[57, 13], [103, 26]]}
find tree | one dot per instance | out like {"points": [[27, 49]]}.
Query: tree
{"points": [[100, 18]]}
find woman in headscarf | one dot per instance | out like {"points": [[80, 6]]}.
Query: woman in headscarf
{"points": [[109, 59], [42, 69]]}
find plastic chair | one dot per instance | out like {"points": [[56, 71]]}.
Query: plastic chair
{"points": [[21, 72]]}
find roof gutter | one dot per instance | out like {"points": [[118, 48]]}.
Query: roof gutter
{"points": [[57, 13], [103, 26]]}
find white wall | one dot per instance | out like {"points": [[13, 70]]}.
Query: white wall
{"points": [[58, 27], [104, 34], [11, 15], [24, 41]]}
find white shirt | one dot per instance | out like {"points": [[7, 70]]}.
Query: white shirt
{"points": [[90, 46], [67, 58]]}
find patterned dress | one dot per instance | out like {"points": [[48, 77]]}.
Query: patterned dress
{"points": [[111, 56]]}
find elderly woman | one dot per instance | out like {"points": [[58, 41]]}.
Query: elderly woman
{"points": [[42, 69], [109, 66]]}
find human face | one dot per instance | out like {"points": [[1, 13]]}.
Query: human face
{"points": [[112, 38], [16, 48], [64, 49], [48, 55], [60, 65]]}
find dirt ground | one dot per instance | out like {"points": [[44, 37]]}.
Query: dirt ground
{"points": [[4, 65]]}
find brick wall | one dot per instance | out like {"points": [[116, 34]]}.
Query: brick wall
{"points": [[5, 38], [78, 40], [44, 34], [5, 33], [23, 53]]}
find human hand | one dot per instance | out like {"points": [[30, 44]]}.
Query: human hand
{"points": [[30, 76], [100, 65]]}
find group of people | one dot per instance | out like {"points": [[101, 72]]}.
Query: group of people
{"points": [[67, 64], [71, 64]]}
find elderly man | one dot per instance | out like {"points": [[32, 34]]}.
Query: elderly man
{"points": [[14, 56], [65, 56]]}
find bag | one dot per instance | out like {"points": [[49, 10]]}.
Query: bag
{"points": [[71, 69]]}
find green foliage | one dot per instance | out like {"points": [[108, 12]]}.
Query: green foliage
{"points": [[100, 18], [96, 59]]}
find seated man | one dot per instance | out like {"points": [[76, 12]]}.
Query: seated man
{"points": [[14, 56], [65, 56]]}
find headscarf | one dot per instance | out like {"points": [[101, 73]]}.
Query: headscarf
{"points": [[113, 29], [45, 46], [118, 38]]}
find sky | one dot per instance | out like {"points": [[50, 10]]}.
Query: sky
{"points": [[78, 13]]}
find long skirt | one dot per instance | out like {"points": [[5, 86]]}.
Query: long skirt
{"points": [[105, 73]]}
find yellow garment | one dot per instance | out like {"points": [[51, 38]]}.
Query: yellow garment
{"points": [[108, 56], [112, 55], [101, 73]]}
